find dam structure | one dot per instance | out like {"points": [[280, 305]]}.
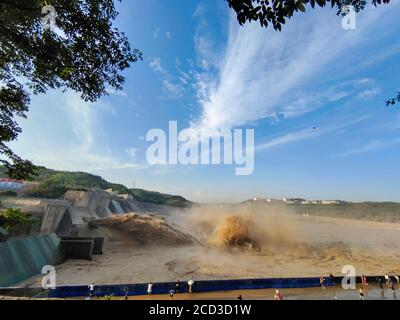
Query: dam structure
{"points": [[71, 214], [62, 231]]}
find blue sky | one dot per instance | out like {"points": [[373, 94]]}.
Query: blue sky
{"points": [[202, 69]]}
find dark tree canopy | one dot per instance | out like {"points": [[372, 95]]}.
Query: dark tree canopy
{"points": [[393, 101], [83, 52], [276, 12]]}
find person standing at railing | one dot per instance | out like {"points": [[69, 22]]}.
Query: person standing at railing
{"points": [[150, 288], [364, 280], [278, 295], [387, 278], [361, 294], [91, 287], [177, 286], [322, 283]]}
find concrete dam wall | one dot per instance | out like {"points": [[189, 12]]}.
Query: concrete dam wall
{"points": [[25, 257], [21, 258]]}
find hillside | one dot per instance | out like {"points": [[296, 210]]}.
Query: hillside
{"points": [[159, 198], [375, 211], [372, 211], [53, 184]]}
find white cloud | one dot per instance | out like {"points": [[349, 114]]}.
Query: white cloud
{"points": [[86, 153], [120, 93], [83, 119], [372, 146], [171, 88], [309, 133], [155, 64], [306, 102], [207, 55], [132, 152], [369, 93], [264, 73], [288, 138], [89, 162], [199, 12], [168, 35]]}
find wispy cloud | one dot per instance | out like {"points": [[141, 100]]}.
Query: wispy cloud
{"points": [[264, 73], [373, 145], [172, 88], [308, 133], [132, 152], [155, 64], [120, 93], [369, 93], [83, 119], [207, 55], [289, 138], [84, 155]]}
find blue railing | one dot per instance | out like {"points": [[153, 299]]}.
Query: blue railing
{"points": [[199, 286]]}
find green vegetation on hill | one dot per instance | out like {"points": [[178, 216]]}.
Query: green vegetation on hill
{"points": [[70, 179], [159, 198], [53, 184], [46, 191], [13, 218], [374, 211], [371, 211]]}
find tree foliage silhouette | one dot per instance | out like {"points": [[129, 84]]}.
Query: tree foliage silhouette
{"points": [[83, 52]]}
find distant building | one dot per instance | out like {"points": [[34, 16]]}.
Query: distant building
{"points": [[268, 200], [11, 184], [295, 200], [304, 201], [330, 202]]}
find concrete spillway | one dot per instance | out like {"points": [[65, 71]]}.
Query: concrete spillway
{"points": [[69, 215], [117, 208], [54, 212]]}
